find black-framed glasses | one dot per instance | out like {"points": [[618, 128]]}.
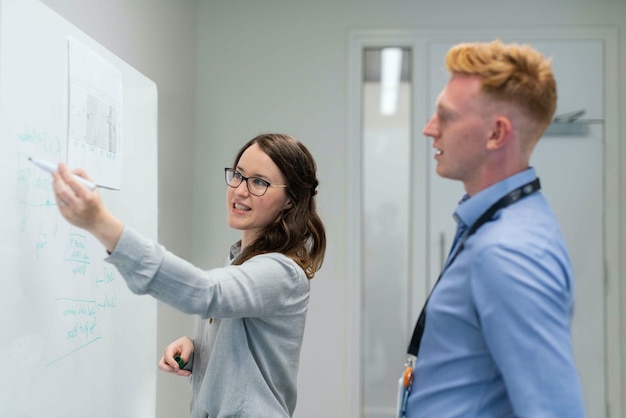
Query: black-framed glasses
{"points": [[256, 186]]}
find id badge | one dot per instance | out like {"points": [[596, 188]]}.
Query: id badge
{"points": [[405, 384]]}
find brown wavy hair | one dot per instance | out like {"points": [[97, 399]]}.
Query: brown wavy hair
{"points": [[513, 73], [297, 231]]}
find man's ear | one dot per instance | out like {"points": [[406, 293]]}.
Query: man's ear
{"points": [[500, 133]]}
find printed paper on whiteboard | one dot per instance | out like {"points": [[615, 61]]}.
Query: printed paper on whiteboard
{"points": [[95, 116]]}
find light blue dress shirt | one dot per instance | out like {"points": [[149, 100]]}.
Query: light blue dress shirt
{"points": [[497, 339]]}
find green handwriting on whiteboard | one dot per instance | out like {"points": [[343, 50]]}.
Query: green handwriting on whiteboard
{"points": [[49, 143]]}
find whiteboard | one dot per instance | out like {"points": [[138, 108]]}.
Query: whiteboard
{"points": [[74, 341]]}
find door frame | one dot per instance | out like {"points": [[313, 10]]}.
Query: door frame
{"points": [[418, 40]]}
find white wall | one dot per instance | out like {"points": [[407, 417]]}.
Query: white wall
{"points": [[281, 65], [158, 38]]}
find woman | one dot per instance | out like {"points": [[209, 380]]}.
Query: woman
{"points": [[244, 358]]}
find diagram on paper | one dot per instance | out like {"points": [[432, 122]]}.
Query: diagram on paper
{"points": [[95, 116]]}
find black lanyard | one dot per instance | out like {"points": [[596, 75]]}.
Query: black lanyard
{"points": [[505, 201]]}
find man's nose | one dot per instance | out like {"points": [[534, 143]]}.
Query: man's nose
{"points": [[430, 129]]}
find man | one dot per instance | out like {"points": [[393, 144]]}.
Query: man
{"points": [[496, 336]]}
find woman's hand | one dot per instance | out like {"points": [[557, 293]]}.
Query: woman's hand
{"points": [[84, 208], [182, 347]]}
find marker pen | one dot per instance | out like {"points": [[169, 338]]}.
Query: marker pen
{"points": [[51, 168], [180, 361]]}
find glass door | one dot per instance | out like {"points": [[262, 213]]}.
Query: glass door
{"points": [[386, 218]]}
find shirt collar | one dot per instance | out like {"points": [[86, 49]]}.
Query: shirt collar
{"points": [[470, 208], [235, 250]]}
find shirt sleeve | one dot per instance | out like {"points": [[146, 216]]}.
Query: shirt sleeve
{"points": [[264, 285], [523, 302]]}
